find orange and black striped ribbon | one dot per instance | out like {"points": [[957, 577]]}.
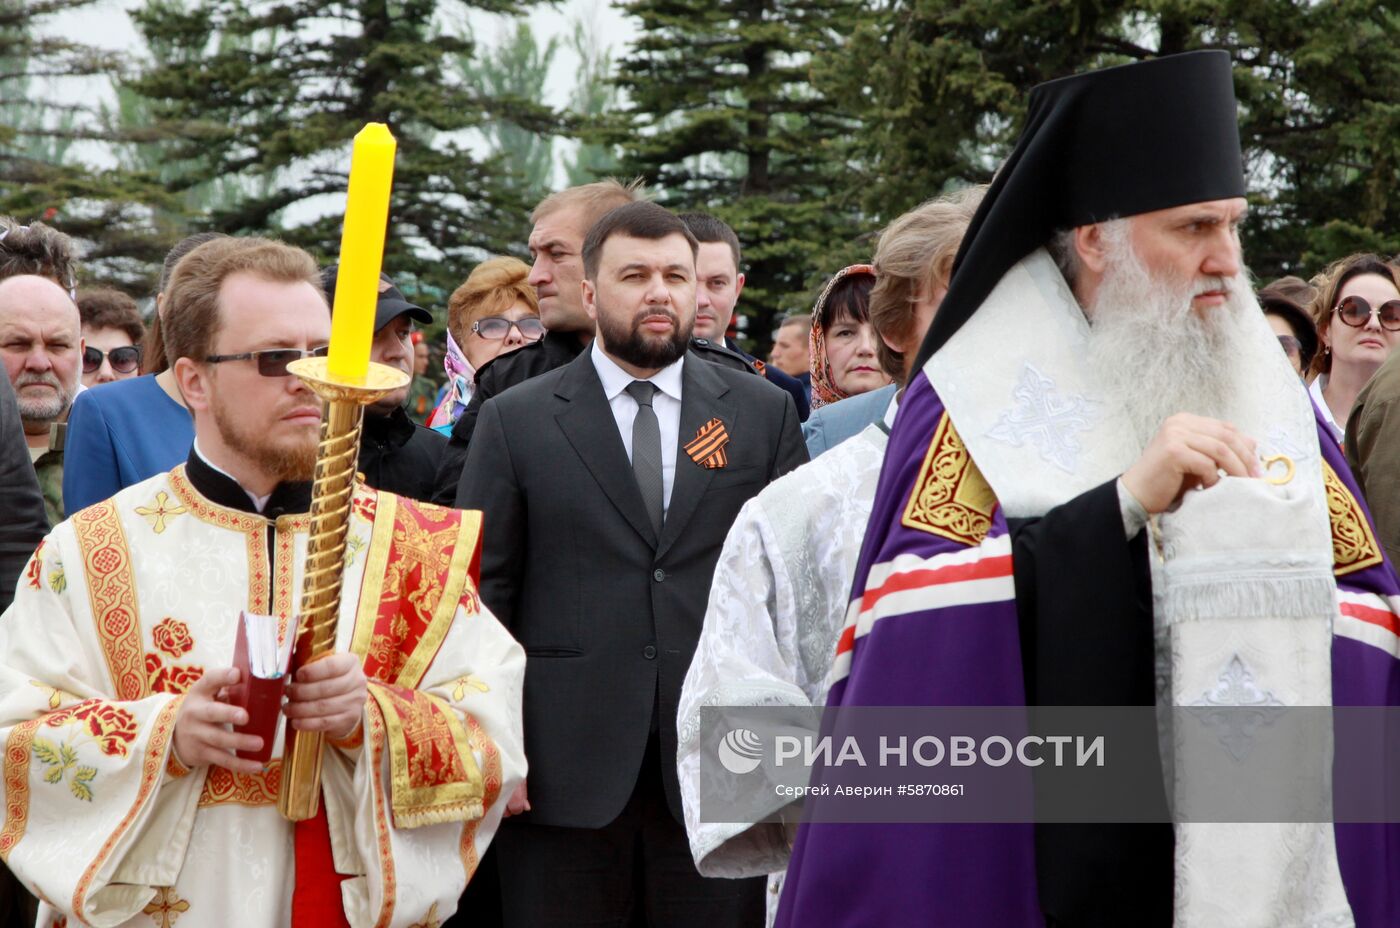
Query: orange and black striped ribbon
{"points": [[707, 447]]}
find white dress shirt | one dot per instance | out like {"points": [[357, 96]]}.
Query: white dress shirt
{"points": [[666, 403], [1315, 389]]}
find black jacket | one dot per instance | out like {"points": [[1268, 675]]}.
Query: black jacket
{"points": [[778, 378], [22, 520], [503, 371], [400, 457], [608, 613]]}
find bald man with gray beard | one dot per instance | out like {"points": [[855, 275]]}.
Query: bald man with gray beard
{"points": [[41, 344]]}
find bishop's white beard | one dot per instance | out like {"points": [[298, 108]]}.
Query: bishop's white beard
{"points": [[1157, 357]]}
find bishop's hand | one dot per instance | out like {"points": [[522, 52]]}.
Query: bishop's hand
{"points": [[1189, 452], [329, 695], [200, 736]]}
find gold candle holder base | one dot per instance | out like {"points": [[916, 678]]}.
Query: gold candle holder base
{"points": [[336, 457]]}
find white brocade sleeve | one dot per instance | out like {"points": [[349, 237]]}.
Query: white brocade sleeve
{"points": [[415, 875], [1134, 514], [777, 605], [94, 820], [747, 656]]}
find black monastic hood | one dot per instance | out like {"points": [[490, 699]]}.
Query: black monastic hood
{"points": [[1098, 146]]}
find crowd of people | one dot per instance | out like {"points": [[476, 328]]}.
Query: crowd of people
{"points": [[604, 514]]}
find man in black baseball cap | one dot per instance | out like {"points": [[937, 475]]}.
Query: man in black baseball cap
{"points": [[396, 454]]}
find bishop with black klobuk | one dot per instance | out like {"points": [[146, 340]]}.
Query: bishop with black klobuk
{"points": [[1107, 387]]}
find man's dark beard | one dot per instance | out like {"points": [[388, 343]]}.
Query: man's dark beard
{"points": [[294, 461], [631, 345]]}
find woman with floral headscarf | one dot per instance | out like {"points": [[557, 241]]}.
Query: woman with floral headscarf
{"points": [[493, 312], [845, 361]]}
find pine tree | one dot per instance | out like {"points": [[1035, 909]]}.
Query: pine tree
{"points": [[594, 95], [139, 146], [942, 85], [513, 74], [722, 117], [109, 211], [275, 100]]}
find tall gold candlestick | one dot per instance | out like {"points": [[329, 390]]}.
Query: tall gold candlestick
{"points": [[336, 457]]}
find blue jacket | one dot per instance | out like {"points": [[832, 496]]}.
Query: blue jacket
{"points": [[830, 425], [121, 433]]}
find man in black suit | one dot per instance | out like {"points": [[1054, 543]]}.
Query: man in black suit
{"points": [[21, 531], [607, 487]]}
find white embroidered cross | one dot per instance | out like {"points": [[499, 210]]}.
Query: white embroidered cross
{"points": [[1046, 418], [1234, 691]]}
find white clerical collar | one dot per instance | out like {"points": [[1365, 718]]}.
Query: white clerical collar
{"points": [[259, 502], [615, 379], [892, 410]]}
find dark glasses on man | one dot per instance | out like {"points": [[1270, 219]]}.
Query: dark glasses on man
{"points": [[498, 327], [272, 362], [124, 360], [1355, 311]]}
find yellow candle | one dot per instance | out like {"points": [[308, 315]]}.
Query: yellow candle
{"points": [[361, 253]]}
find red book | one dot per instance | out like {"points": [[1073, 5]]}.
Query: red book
{"points": [[262, 679]]}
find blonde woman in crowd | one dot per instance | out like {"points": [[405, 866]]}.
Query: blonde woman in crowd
{"points": [[493, 312]]}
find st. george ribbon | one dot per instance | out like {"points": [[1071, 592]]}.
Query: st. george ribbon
{"points": [[346, 382]]}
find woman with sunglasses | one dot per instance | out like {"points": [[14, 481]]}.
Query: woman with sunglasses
{"points": [[133, 428], [494, 311], [112, 331], [1357, 312]]}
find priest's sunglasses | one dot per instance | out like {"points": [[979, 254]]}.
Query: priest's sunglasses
{"points": [[272, 362], [1355, 311], [124, 360], [498, 327]]}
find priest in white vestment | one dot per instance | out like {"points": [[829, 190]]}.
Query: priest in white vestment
{"points": [[124, 802], [782, 585]]}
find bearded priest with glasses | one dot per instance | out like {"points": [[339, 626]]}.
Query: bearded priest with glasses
{"points": [[128, 796]]}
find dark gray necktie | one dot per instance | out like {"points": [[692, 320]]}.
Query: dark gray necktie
{"points": [[646, 452]]}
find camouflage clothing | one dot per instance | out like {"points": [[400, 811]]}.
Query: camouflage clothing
{"points": [[49, 468]]}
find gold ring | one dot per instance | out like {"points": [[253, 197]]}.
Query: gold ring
{"points": [[1289, 469]]}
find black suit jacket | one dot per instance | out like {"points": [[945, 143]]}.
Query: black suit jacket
{"points": [[779, 379], [24, 523], [608, 613]]}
